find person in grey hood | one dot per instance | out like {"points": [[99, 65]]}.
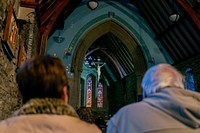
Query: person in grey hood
{"points": [[166, 106]]}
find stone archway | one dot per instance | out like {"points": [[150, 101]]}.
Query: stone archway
{"points": [[87, 40]]}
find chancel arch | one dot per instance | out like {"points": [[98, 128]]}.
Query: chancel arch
{"points": [[97, 31]]}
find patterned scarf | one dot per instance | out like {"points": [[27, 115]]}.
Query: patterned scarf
{"points": [[46, 106]]}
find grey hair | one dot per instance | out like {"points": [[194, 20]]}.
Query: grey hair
{"points": [[161, 76]]}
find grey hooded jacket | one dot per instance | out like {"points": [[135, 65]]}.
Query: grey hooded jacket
{"points": [[170, 111]]}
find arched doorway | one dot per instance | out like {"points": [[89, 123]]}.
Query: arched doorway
{"points": [[120, 32]]}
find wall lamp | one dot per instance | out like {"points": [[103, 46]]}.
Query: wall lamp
{"points": [[92, 4]]}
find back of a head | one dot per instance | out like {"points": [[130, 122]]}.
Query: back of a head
{"points": [[85, 114], [161, 76], [40, 77]]}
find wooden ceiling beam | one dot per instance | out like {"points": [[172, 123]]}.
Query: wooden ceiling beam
{"points": [[190, 12], [29, 3], [57, 7], [49, 23]]}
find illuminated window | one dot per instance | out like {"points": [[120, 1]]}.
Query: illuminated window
{"points": [[100, 95], [89, 92], [189, 84]]}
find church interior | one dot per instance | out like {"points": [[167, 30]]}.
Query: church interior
{"points": [[106, 46]]}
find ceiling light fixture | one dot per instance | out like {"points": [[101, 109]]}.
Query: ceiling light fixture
{"points": [[174, 17], [92, 4]]}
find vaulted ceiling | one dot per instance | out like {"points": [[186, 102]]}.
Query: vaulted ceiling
{"points": [[180, 37], [110, 50]]}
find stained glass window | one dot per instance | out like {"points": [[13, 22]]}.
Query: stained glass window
{"points": [[100, 95], [89, 92], [189, 79]]}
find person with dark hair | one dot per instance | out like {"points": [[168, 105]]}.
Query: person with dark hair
{"points": [[43, 84], [85, 114], [167, 107]]}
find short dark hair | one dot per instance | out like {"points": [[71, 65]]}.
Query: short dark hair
{"points": [[40, 77]]}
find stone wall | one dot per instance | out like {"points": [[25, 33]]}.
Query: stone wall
{"points": [[10, 99], [3, 6]]}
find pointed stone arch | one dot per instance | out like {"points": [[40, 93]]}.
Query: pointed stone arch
{"points": [[93, 34]]}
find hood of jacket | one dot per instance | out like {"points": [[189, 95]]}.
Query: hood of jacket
{"points": [[183, 105]]}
